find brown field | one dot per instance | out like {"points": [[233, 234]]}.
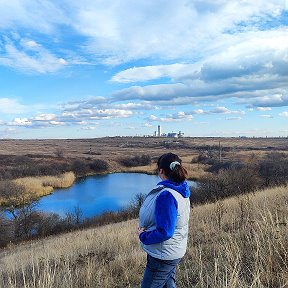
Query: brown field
{"points": [[125, 146], [111, 149], [239, 242]]}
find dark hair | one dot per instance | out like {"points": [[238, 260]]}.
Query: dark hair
{"points": [[178, 174]]}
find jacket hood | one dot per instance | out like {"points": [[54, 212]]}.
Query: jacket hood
{"points": [[181, 187]]}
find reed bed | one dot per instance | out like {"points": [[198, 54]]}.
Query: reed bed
{"points": [[44, 185], [34, 187], [238, 242]]}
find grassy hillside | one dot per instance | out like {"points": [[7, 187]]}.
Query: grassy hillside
{"points": [[237, 242]]}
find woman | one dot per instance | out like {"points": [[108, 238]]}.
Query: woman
{"points": [[164, 218]]}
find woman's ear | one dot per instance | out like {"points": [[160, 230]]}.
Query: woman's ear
{"points": [[161, 174]]}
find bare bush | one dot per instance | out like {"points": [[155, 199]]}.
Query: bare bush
{"points": [[80, 167], [5, 230], [274, 169], [59, 152], [136, 161], [226, 183], [99, 165], [225, 165]]}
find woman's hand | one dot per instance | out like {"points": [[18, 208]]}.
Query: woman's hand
{"points": [[141, 230]]}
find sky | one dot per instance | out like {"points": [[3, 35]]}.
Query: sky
{"points": [[86, 69]]}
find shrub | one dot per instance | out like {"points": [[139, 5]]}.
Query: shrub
{"points": [[136, 161], [225, 184], [99, 165], [79, 167], [59, 152], [209, 154], [225, 165], [274, 169], [4, 228], [11, 193]]}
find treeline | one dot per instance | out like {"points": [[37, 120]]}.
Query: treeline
{"points": [[229, 178]]}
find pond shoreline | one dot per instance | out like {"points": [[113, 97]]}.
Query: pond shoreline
{"points": [[49, 189], [96, 194]]}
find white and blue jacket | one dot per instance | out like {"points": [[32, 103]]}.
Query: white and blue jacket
{"points": [[165, 215]]}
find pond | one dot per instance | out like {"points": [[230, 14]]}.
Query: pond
{"points": [[97, 194]]}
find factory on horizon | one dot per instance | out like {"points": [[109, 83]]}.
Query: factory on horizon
{"points": [[159, 133]]}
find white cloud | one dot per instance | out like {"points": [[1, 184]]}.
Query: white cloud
{"points": [[92, 102], [31, 44], [263, 109], [66, 118], [11, 106], [30, 57], [88, 128], [284, 114], [249, 63], [224, 110], [120, 31], [45, 117], [179, 116], [234, 118], [94, 114], [57, 123], [36, 15], [266, 116], [248, 53], [147, 73], [125, 31], [134, 106], [198, 111], [21, 122], [277, 97], [147, 125]]}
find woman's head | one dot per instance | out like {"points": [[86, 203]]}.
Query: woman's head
{"points": [[171, 166]]}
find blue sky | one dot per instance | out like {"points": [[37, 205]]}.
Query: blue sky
{"points": [[77, 69]]}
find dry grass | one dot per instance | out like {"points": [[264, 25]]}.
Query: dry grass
{"points": [[35, 187], [238, 242], [115, 147], [41, 185]]}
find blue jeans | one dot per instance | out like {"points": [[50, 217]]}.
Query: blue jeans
{"points": [[160, 273]]}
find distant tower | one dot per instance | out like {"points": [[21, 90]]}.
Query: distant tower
{"points": [[159, 130]]}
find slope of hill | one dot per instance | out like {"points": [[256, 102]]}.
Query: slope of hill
{"points": [[237, 242]]}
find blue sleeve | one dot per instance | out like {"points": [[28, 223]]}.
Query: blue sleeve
{"points": [[165, 220]]}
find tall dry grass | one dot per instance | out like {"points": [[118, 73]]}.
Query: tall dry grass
{"points": [[237, 242], [43, 185]]}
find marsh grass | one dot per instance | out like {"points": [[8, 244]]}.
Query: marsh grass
{"points": [[237, 242], [35, 187], [44, 185]]}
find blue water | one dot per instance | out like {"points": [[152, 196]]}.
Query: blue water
{"points": [[97, 194]]}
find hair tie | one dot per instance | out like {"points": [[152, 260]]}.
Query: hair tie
{"points": [[173, 164]]}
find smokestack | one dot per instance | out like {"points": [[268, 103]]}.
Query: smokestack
{"points": [[159, 130]]}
